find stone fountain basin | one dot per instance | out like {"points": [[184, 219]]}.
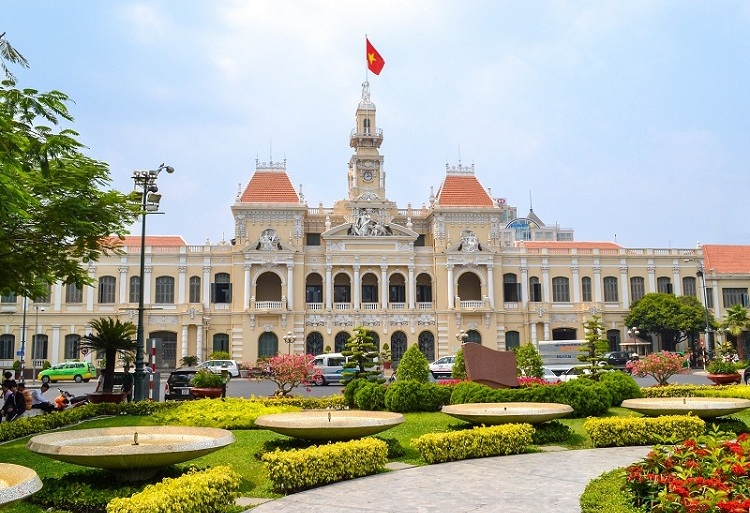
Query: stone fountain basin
{"points": [[506, 413], [17, 482], [114, 448], [704, 407], [333, 425]]}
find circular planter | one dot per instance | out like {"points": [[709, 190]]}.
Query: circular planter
{"points": [[704, 407], [202, 393], [132, 453], [333, 425], [17, 483], [102, 397], [503, 413], [725, 379]]}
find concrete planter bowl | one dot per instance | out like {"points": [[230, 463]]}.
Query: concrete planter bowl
{"points": [[16, 483], [506, 413], [330, 425], [131, 453], [703, 407]]}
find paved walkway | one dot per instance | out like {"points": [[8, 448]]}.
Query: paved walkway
{"points": [[523, 483]]}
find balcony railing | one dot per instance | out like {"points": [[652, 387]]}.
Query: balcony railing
{"points": [[472, 304], [424, 306], [342, 306], [370, 306], [314, 306], [397, 306], [268, 305]]}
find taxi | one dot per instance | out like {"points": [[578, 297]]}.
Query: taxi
{"points": [[70, 370]]}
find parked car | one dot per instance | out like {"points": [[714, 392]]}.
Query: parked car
{"points": [[550, 376], [178, 385], [331, 367], [617, 358], [443, 367], [216, 366], [71, 370]]}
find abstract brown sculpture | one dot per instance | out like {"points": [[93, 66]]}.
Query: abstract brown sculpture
{"points": [[496, 369]]}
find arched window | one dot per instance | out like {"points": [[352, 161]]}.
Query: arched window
{"points": [[314, 343], [560, 289], [637, 288], [611, 294], [398, 345], [73, 294], [426, 341], [689, 286], [339, 343], [586, 295], [164, 290], [135, 289], [107, 287], [512, 340], [166, 348], [39, 347], [194, 289], [375, 339], [663, 285], [221, 288], [72, 346], [535, 290], [221, 342], [474, 336], [511, 288], [7, 346], [268, 345]]}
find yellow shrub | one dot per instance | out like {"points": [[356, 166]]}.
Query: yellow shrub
{"points": [[206, 491], [474, 443], [624, 431]]}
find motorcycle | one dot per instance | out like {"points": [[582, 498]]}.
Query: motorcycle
{"points": [[67, 400]]}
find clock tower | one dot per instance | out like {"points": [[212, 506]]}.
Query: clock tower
{"points": [[366, 175]]}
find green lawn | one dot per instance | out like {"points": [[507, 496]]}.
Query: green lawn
{"points": [[241, 454]]}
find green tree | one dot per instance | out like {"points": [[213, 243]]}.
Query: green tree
{"points": [[673, 319], [362, 351], [413, 366], [111, 337], [55, 210], [736, 323], [458, 371], [529, 361], [594, 346]]}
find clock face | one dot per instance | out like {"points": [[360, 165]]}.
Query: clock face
{"points": [[367, 175]]}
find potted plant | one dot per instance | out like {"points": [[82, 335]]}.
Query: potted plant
{"points": [[385, 356], [723, 372], [206, 384]]}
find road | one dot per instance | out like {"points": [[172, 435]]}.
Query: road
{"points": [[264, 388]]}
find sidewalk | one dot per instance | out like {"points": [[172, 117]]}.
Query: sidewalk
{"points": [[523, 483]]}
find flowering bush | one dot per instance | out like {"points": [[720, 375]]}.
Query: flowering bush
{"points": [[661, 366], [699, 475], [291, 370]]}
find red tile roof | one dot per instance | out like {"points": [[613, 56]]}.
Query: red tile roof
{"points": [[269, 187], [463, 190], [154, 240], [726, 259]]}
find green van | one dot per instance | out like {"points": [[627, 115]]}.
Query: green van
{"points": [[71, 370]]}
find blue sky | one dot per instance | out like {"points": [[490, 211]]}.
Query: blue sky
{"points": [[624, 120]]}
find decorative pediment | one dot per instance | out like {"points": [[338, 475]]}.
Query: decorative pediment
{"points": [[345, 230], [469, 244], [268, 242]]}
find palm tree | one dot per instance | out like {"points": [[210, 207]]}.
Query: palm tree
{"points": [[736, 322], [111, 336]]}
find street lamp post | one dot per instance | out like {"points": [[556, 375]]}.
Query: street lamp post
{"points": [[35, 341], [701, 273], [23, 340], [145, 185], [633, 334], [461, 336], [289, 339]]}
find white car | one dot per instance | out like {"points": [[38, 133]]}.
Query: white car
{"points": [[443, 367], [550, 376], [216, 366]]}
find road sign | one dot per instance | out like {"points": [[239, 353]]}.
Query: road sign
{"points": [[85, 351], [19, 353]]}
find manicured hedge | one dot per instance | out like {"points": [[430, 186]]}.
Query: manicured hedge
{"points": [[625, 431], [479, 442]]}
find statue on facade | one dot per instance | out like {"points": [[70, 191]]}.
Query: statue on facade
{"points": [[470, 242], [268, 241], [366, 226]]}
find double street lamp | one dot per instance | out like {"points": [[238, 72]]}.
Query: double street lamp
{"points": [[289, 339], [145, 186]]}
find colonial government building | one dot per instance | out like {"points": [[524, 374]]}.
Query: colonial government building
{"points": [[462, 267]]}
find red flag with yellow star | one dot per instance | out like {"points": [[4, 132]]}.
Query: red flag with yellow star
{"points": [[375, 62]]}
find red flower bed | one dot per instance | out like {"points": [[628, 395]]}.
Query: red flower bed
{"points": [[708, 474]]}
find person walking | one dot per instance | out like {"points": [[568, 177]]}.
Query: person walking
{"points": [[127, 384]]}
